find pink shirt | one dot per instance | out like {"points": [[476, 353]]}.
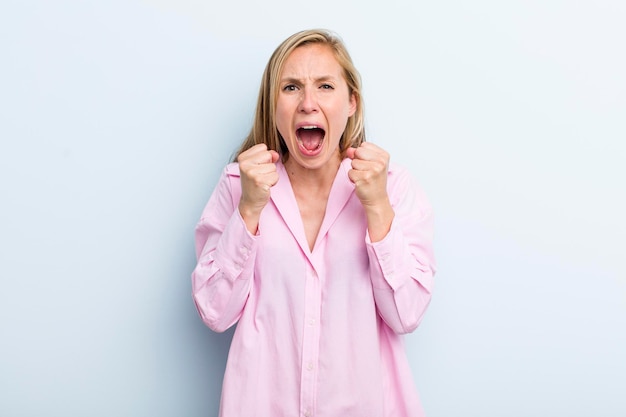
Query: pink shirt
{"points": [[318, 332]]}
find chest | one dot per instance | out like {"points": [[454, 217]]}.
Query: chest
{"points": [[312, 212]]}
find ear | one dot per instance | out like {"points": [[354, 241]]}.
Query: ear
{"points": [[352, 105]]}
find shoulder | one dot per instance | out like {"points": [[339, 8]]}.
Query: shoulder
{"points": [[398, 173], [226, 193], [229, 179], [232, 170], [404, 186], [397, 169]]}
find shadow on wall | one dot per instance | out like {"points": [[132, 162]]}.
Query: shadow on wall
{"points": [[212, 349], [198, 353]]}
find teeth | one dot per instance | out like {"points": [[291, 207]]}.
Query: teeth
{"points": [[309, 127]]}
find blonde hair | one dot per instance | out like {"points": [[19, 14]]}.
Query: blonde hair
{"points": [[264, 125]]}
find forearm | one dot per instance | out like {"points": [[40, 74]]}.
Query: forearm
{"points": [[222, 277], [379, 219], [251, 216], [402, 279]]}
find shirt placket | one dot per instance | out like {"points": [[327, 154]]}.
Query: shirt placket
{"points": [[310, 343]]}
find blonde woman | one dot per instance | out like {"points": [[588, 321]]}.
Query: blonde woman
{"points": [[317, 247]]}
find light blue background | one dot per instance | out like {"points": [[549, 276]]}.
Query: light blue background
{"points": [[116, 118]]}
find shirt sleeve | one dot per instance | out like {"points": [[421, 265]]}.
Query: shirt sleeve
{"points": [[402, 264], [225, 251]]}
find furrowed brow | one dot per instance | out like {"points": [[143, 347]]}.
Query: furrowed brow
{"points": [[325, 78], [292, 80]]}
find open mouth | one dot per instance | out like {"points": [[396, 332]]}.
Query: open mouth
{"points": [[310, 137]]}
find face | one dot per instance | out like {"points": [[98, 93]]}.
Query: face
{"points": [[313, 107]]}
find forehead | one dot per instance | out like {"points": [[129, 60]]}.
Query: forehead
{"points": [[312, 60]]}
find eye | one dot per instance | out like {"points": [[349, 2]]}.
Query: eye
{"points": [[326, 87], [289, 87]]}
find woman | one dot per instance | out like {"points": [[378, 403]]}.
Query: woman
{"points": [[317, 247]]}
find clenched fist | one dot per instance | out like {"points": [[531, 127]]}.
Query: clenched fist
{"points": [[257, 166], [370, 164]]}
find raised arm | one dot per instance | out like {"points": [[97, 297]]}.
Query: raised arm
{"points": [[225, 251], [225, 237], [399, 238]]}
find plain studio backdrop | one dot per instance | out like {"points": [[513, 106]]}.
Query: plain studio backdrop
{"points": [[117, 117]]}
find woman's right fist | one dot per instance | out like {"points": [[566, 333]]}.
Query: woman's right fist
{"points": [[257, 167]]}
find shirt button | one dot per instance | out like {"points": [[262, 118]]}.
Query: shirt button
{"points": [[309, 366], [311, 322], [307, 413]]}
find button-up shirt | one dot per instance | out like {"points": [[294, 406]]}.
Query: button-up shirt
{"points": [[319, 332]]}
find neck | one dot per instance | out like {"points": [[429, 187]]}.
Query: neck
{"points": [[312, 178]]}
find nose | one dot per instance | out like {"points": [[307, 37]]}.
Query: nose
{"points": [[308, 101]]}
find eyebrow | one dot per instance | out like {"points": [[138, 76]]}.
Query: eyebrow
{"points": [[298, 81]]}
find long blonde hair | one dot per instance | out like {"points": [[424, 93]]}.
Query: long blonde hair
{"points": [[264, 125]]}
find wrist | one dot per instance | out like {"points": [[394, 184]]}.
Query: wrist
{"points": [[250, 216], [379, 219]]}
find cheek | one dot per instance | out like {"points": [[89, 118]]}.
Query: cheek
{"points": [[284, 112], [282, 120], [340, 117], [342, 109]]}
